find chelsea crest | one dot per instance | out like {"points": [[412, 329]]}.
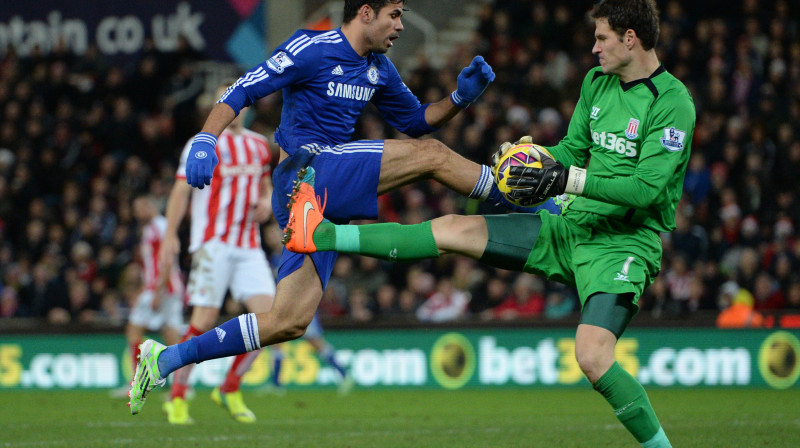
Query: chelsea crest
{"points": [[372, 74]]}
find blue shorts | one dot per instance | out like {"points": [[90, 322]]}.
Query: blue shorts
{"points": [[349, 174]]}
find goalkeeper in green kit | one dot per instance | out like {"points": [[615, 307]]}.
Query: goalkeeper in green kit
{"points": [[623, 161]]}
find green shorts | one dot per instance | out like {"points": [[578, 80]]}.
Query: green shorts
{"points": [[593, 253]]}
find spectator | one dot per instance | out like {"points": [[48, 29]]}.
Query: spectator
{"points": [[688, 239], [748, 268], [407, 303], [678, 279], [525, 301], [445, 304], [793, 295], [368, 276], [387, 306], [83, 261], [766, 293], [737, 308], [559, 303], [360, 305], [9, 301], [492, 294], [39, 291]]}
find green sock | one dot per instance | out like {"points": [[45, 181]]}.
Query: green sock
{"points": [[659, 440], [631, 405], [387, 241], [324, 236]]}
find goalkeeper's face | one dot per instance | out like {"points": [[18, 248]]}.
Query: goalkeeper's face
{"points": [[609, 48], [384, 28]]}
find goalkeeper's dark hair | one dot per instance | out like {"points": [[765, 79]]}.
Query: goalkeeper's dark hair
{"points": [[640, 16], [351, 7]]}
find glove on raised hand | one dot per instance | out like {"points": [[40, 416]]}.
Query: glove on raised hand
{"points": [[533, 185], [202, 160], [472, 81]]}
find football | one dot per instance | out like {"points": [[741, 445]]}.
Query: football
{"points": [[517, 155]]}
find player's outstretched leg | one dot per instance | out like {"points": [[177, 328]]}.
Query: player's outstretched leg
{"points": [[308, 232], [147, 375], [234, 337], [305, 215]]}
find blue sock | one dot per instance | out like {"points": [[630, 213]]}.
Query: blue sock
{"points": [[170, 359], [484, 185], [329, 356], [276, 368], [234, 337]]}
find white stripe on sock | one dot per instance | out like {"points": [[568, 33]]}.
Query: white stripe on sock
{"points": [[248, 345], [248, 324], [256, 342], [484, 185]]}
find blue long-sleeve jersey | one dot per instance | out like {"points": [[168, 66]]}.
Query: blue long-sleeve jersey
{"points": [[326, 85]]}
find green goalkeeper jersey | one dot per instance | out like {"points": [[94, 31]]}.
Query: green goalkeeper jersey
{"points": [[636, 139]]}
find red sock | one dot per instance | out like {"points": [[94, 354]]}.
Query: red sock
{"points": [[181, 377], [241, 364], [134, 349]]}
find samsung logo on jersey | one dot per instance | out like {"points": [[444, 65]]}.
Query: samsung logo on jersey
{"points": [[241, 170], [349, 91]]}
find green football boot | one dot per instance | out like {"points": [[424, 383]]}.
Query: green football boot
{"points": [[147, 376]]}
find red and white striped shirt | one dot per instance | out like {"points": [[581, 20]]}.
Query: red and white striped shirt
{"points": [[224, 209], [152, 236]]}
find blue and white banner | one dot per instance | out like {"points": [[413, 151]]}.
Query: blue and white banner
{"points": [[225, 30]]}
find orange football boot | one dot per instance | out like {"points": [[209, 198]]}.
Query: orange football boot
{"points": [[305, 215]]}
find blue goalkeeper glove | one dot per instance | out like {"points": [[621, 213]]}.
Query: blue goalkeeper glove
{"points": [[202, 160], [472, 81]]}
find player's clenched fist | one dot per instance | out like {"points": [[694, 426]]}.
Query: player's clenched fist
{"points": [[202, 160], [472, 81]]}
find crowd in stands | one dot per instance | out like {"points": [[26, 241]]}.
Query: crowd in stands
{"points": [[80, 136]]}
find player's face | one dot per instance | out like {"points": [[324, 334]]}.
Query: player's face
{"points": [[385, 27], [610, 50]]}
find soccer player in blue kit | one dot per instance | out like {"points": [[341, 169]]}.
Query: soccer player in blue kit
{"points": [[327, 78]]}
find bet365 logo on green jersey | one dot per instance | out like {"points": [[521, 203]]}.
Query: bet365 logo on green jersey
{"points": [[612, 142]]}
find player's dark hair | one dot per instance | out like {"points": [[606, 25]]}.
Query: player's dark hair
{"points": [[351, 7], [640, 16]]}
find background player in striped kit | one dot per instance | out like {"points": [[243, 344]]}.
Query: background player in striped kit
{"points": [[225, 244], [160, 304]]}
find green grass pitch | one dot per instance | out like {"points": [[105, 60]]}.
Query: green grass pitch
{"points": [[403, 418]]}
